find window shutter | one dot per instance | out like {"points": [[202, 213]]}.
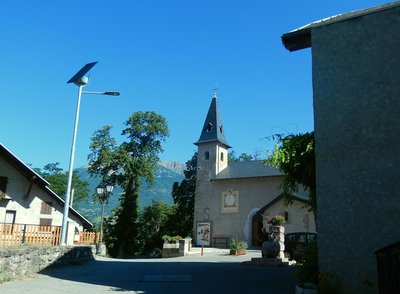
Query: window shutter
{"points": [[45, 222], [46, 207]]}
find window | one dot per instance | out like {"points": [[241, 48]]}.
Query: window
{"points": [[222, 156], [209, 127], [45, 224], [9, 222], [206, 155], [221, 128], [3, 184], [286, 215], [46, 207], [10, 217]]}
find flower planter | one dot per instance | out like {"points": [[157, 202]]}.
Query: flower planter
{"points": [[237, 252]]}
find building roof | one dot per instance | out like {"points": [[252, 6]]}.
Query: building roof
{"points": [[213, 129], [247, 169], [36, 178], [297, 196], [301, 38]]}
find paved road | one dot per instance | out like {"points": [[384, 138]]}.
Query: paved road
{"points": [[214, 272]]}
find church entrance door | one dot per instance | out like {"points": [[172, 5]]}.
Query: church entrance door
{"points": [[256, 230]]}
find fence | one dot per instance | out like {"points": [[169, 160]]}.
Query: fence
{"points": [[17, 234], [87, 238]]}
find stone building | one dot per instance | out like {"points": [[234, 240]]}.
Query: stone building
{"points": [[235, 199], [356, 70], [27, 199]]}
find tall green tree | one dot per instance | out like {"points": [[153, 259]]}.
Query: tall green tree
{"points": [[155, 220], [183, 194], [58, 181], [102, 161], [242, 157], [294, 155], [125, 165]]}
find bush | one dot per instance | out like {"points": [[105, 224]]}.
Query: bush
{"points": [[168, 239], [307, 266], [237, 245]]}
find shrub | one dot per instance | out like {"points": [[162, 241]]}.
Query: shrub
{"points": [[237, 245], [277, 220]]}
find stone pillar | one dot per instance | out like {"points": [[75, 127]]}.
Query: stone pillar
{"points": [[279, 232], [183, 247]]}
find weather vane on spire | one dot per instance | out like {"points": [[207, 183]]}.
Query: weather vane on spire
{"points": [[215, 90]]}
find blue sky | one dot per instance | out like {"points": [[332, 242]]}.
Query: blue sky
{"points": [[163, 56]]}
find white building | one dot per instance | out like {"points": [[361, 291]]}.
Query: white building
{"points": [[27, 199]]}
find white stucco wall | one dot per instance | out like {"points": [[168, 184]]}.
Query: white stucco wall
{"points": [[28, 209], [300, 219]]}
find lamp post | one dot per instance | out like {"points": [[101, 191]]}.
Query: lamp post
{"points": [[80, 80], [102, 195]]}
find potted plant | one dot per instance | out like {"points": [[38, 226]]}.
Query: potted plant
{"points": [[237, 247], [277, 220]]}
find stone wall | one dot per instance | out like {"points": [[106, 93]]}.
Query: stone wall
{"points": [[176, 249], [19, 261], [356, 108]]}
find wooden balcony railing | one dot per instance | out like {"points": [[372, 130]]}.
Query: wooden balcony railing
{"points": [[18, 234]]}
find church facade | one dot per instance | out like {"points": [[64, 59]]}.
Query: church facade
{"points": [[236, 199]]}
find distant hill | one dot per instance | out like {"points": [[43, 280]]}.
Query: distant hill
{"points": [[174, 166], [166, 175]]}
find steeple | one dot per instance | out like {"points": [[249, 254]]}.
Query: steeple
{"points": [[213, 129]]}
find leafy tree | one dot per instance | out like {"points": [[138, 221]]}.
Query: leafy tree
{"points": [[58, 181], [242, 157], [102, 158], [155, 221], [183, 195], [125, 165], [294, 155]]}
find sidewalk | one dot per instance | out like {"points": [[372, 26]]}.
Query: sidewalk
{"points": [[218, 255]]}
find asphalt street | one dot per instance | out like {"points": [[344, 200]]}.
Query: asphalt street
{"points": [[214, 272]]}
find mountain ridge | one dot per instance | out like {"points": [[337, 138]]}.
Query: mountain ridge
{"points": [[166, 175]]}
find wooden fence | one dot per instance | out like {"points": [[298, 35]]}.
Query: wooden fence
{"points": [[87, 238], [17, 234]]}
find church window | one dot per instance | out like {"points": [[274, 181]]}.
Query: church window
{"points": [[221, 128], [209, 127], [206, 155], [286, 215], [222, 156]]}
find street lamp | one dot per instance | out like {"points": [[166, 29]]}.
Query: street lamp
{"points": [[80, 80], [102, 195]]}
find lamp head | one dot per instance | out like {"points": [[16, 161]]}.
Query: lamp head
{"points": [[99, 191], [109, 188], [112, 93]]}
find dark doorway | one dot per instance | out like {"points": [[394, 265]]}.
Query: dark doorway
{"points": [[256, 230]]}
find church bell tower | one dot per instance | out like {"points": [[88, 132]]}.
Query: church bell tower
{"points": [[212, 158]]}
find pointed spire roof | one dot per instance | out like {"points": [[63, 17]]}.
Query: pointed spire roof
{"points": [[213, 130]]}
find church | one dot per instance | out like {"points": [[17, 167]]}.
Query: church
{"points": [[236, 199]]}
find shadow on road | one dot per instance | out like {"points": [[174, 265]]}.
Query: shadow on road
{"points": [[180, 276]]}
